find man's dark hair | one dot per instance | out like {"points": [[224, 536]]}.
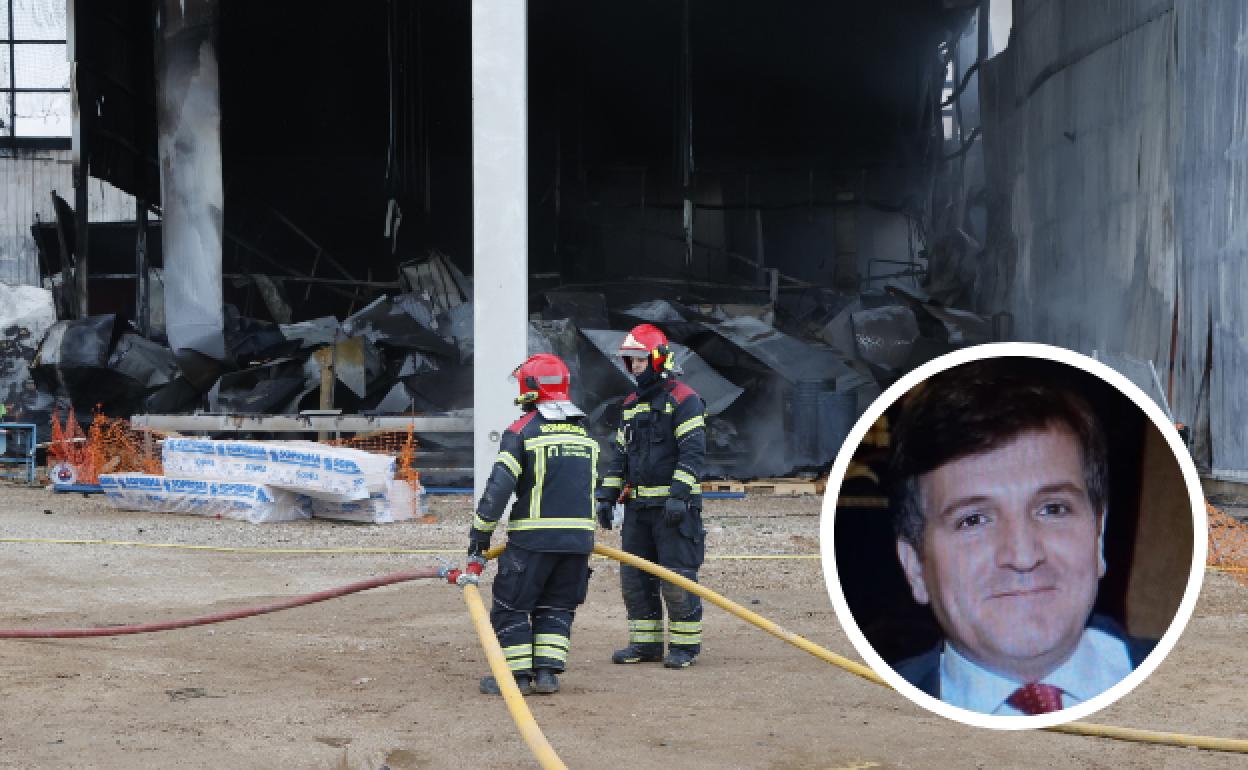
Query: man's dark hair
{"points": [[978, 407]]}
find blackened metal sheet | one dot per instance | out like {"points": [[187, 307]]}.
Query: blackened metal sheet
{"points": [[143, 361], [588, 310], [314, 333], [791, 358], [405, 321]]}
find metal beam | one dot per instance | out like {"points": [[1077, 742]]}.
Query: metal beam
{"points": [[290, 423], [500, 219]]}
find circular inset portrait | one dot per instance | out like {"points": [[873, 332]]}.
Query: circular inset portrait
{"points": [[1017, 537]]}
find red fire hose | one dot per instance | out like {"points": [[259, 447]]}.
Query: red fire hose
{"points": [[298, 601]]}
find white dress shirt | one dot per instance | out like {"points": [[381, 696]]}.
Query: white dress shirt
{"points": [[1099, 662]]}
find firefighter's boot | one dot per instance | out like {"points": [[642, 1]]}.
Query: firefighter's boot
{"points": [[679, 658], [639, 653], [489, 685], [545, 681]]}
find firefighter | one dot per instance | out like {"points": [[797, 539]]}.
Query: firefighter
{"points": [[657, 455], [549, 460]]}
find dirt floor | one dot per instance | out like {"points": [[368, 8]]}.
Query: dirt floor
{"points": [[389, 677]]}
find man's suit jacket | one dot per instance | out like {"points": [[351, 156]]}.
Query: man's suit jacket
{"points": [[923, 671]]}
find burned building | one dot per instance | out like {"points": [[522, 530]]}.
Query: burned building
{"points": [[810, 198]]}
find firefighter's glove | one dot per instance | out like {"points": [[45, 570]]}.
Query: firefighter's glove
{"points": [[478, 543], [674, 511], [605, 512]]}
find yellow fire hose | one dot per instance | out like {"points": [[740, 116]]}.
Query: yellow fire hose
{"points": [[545, 753], [1074, 728], [520, 713]]}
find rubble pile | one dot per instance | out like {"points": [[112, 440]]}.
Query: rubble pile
{"points": [[783, 381]]}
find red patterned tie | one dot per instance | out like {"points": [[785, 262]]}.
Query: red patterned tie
{"points": [[1036, 698]]}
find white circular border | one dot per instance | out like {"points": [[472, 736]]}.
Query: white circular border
{"points": [[1029, 350]]}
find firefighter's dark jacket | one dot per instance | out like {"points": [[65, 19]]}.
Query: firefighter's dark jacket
{"points": [[551, 466], [660, 447]]}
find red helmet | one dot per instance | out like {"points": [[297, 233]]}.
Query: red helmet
{"points": [[542, 378], [647, 341]]}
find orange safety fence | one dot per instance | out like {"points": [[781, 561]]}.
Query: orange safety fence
{"points": [[110, 445], [1228, 544], [399, 444]]}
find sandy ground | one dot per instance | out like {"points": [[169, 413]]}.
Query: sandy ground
{"points": [[388, 677]]}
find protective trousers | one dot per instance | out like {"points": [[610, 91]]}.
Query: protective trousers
{"points": [[535, 599], [681, 549]]}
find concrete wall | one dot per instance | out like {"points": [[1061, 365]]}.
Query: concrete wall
{"points": [[27, 179]]}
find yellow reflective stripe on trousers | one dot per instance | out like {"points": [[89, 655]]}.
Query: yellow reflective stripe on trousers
{"points": [[519, 657], [553, 640], [483, 525], [692, 423], [645, 636], [613, 481], [685, 476], [645, 625], [686, 626], [554, 653], [509, 462], [519, 525]]}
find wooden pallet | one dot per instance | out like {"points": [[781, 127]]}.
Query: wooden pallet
{"points": [[784, 487], [723, 485]]}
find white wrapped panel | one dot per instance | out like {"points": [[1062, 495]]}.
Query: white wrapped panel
{"points": [[256, 503], [335, 474]]}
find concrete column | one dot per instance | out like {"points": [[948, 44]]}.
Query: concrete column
{"points": [[500, 219], [192, 194]]}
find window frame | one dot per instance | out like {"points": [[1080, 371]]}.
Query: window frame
{"points": [[8, 134]]}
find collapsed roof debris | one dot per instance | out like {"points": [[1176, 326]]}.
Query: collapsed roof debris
{"points": [[778, 401]]}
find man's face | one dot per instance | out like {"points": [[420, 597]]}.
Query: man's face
{"points": [[1011, 553], [636, 364]]}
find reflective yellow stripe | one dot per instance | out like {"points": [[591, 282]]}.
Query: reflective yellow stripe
{"points": [[686, 626], [679, 475], [517, 650], [555, 653], [554, 640], [613, 481], [535, 495], [510, 462], [690, 424], [628, 414], [593, 479], [518, 525], [686, 638], [695, 489], [565, 440], [483, 525], [668, 408], [520, 664], [619, 437], [645, 625], [650, 492], [645, 636]]}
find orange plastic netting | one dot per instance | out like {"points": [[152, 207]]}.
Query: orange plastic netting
{"points": [[110, 445], [399, 444], [1228, 544]]}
